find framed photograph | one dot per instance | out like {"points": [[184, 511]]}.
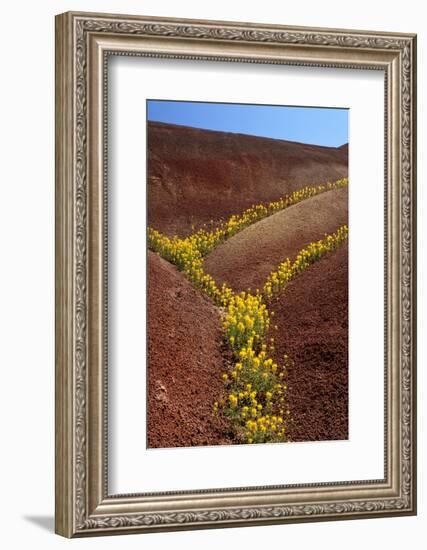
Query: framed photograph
{"points": [[235, 274]]}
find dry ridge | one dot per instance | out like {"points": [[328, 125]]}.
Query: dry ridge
{"points": [[195, 176], [246, 259], [185, 361]]}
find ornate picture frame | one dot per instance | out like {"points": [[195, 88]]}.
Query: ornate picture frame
{"points": [[84, 42]]}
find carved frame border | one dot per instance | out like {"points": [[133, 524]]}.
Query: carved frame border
{"points": [[83, 43]]}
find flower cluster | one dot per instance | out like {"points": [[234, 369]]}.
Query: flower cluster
{"points": [[187, 257], [254, 385], [287, 270], [246, 321], [254, 402]]}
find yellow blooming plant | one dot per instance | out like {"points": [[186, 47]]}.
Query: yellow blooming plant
{"points": [[254, 403], [255, 397], [246, 321], [185, 255], [287, 270]]}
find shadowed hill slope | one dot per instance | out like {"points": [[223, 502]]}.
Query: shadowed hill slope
{"points": [[247, 258], [185, 361], [312, 328], [195, 175]]}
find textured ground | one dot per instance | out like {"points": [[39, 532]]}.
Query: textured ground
{"points": [[185, 361], [195, 176], [246, 259], [312, 320]]}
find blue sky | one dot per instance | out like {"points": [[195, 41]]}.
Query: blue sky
{"points": [[320, 126]]}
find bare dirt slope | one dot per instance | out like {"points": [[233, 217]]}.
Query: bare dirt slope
{"points": [[247, 258], [185, 361], [195, 176], [312, 320]]}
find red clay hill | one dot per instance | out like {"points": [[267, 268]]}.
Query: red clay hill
{"points": [[195, 175], [185, 361]]}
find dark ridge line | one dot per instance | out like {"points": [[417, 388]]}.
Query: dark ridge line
{"points": [[155, 123]]}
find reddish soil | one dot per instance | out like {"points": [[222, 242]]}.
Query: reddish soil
{"points": [[312, 320], [245, 260], [185, 361], [195, 176]]}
